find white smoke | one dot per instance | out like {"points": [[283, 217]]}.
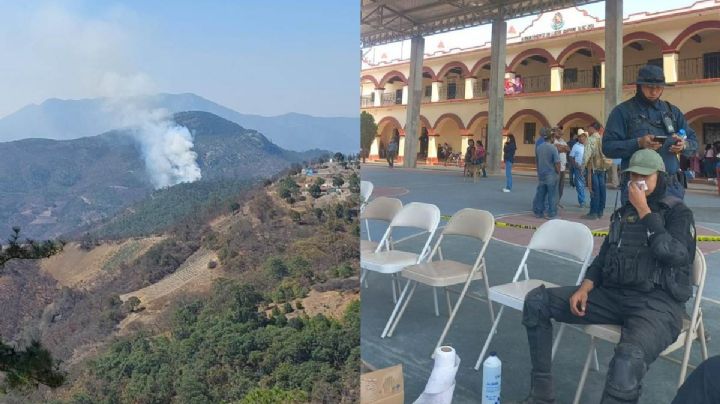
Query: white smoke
{"points": [[167, 147]]}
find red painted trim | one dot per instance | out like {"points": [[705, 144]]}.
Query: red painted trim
{"points": [[692, 30], [702, 112], [478, 116], [370, 78], [389, 120], [569, 50], [392, 74], [452, 117], [430, 71], [531, 52], [445, 69], [530, 112], [578, 115], [645, 36], [478, 65]]}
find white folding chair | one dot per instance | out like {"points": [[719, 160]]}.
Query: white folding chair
{"points": [[383, 260], [382, 209], [472, 223], [693, 329], [572, 239], [366, 189]]}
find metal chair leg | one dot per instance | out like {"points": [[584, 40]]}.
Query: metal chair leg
{"points": [[402, 309], [584, 373], [435, 300], [447, 298], [395, 310], [489, 338], [701, 335]]}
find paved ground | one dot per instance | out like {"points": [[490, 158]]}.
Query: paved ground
{"points": [[419, 329]]}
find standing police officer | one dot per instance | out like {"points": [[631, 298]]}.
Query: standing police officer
{"points": [[639, 280], [635, 123]]}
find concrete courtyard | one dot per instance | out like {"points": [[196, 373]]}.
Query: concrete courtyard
{"points": [[418, 331]]}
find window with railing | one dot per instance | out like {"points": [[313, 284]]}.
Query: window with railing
{"points": [[705, 67], [366, 101], [398, 96], [630, 73], [388, 99], [581, 78], [480, 88], [535, 84]]}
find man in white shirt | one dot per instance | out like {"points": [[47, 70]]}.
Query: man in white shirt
{"points": [[576, 160], [563, 149]]}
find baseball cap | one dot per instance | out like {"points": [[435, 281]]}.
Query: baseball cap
{"points": [[645, 162]]}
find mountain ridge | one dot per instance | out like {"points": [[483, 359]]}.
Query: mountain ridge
{"points": [[57, 118]]}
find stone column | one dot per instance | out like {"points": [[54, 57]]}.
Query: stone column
{"points": [[556, 78], [378, 97], [470, 87], [405, 95], [374, 149], [412, 119], [401, 147], [496, 95], [670, 67], [432, 157], [435, 95], [613, 54]]}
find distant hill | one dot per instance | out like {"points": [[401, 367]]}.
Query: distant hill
{"points": [[52, 187], [72, 119]]}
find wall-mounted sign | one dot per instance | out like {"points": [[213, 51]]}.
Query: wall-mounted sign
{"points": [[558, 32]]}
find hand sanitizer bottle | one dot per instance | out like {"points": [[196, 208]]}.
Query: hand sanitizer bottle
{"points": [[492, 371]]}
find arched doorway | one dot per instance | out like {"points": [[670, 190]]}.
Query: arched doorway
{"points": [[448, 130], [525, 125], [387, 127], [532, 67], [477, 129], [393, 83], [582, 65], [453, 77], [639, 49], [706, 124], [368, 84], [572, 122], [699, 51], [481, 71]]}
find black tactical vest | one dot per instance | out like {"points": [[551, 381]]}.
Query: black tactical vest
{"points": [[629, 263]]}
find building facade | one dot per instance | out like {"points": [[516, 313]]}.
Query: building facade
{"points": [[558, 59]]}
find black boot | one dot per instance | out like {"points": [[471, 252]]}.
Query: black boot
{"points": [[541, 390]]}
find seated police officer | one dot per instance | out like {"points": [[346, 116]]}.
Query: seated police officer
{"points": [[639, 280], [646, 122]]}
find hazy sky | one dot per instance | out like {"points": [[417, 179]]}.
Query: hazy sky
{"points": [[253, 56]]}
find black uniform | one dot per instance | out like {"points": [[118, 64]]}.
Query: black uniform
{"points": [[641, 280]]}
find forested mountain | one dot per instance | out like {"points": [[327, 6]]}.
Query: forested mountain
{"points": [[54, 187], [254, 301]]}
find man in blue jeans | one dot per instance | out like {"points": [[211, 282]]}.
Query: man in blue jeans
{"points": [[594, 160], [548, 171], [575, 160]]}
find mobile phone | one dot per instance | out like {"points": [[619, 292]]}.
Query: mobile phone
{"points": [[660, 138]]}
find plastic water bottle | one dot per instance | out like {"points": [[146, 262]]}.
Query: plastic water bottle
{"points": [[492, 372]]}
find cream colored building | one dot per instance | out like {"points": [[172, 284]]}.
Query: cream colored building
{"points": [[560, 58]]}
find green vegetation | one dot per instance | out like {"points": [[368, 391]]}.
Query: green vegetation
{"points": [[368, 131], [32, 366], [166, 207], [223, 350]]}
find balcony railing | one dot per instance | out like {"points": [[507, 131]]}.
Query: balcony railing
{"points": [[391, 99], [630, 73], [580, 79], [446, 90], [478, 90], [536, 84], [698, 68], [366, 101]]}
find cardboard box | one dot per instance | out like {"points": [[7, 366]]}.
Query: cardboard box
{"points": [[383, 386]]}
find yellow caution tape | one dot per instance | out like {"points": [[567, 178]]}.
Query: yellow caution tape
{"points": [[601, 233]]}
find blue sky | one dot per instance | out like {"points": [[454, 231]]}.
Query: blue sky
{"points": [[253, 56]]}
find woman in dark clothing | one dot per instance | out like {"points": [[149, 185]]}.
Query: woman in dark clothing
{"points": [[509, 158], [480, 156]]}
